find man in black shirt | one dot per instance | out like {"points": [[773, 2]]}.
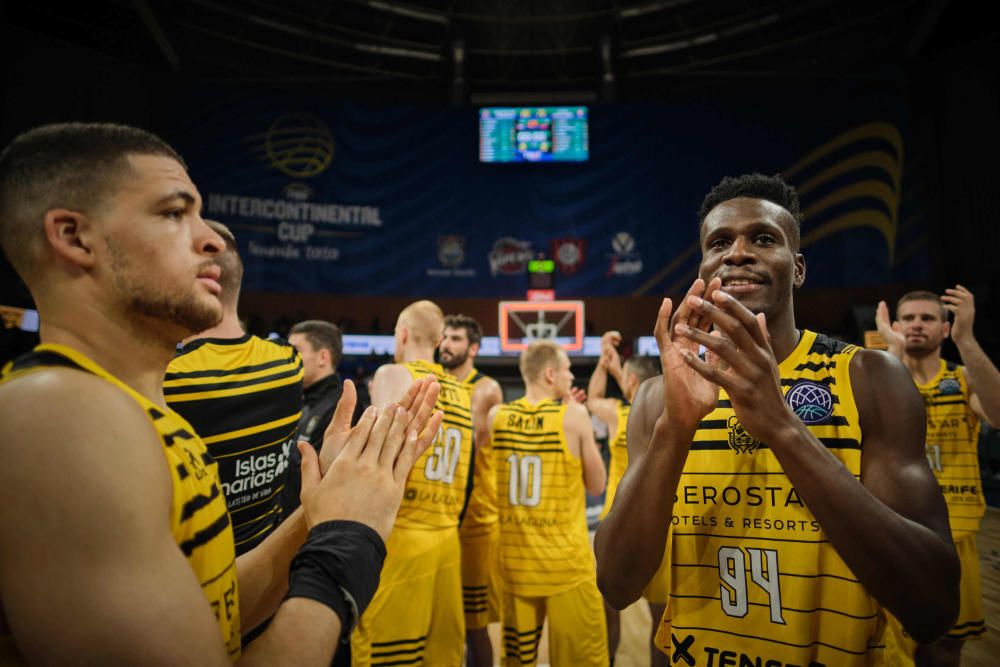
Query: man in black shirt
{"points": [[320, 347]]}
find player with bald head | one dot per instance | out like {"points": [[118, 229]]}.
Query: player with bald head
{"points": [[416, 615]]}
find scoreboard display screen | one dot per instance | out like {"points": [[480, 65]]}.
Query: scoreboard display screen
{"points": [[533, 134]]}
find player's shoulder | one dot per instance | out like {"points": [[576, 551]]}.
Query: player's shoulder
{"points": [[392, 373], [72, 411]]}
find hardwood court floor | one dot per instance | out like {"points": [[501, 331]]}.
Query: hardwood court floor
{"points": [[633, 650]]}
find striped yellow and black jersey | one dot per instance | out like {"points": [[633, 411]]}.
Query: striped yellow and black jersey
{"points": [[198, 517], [753, 575], [952, 446], [244, 397], [435, 494], [544, 544], [618, 444], [481, 514]]}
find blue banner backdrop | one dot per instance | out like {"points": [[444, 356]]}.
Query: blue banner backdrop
{"points": [[339, 198]]}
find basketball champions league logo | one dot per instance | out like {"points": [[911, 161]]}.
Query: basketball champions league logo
{"points": [[811, 401]]}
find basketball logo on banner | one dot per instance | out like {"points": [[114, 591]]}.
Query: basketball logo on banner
{"points": [[299, 145]]}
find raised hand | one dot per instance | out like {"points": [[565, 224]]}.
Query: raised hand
{"points": [[418, 402], [366, 479], [688, 396], [576, 394], [747, 369], [889, 331], [960, 301]]}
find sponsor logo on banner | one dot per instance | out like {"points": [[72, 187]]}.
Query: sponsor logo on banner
{"points": [[451, 256], [624, 260], [569, 254], [510, 256]]}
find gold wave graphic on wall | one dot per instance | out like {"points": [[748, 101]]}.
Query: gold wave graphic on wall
{"points": [[886, 161]]}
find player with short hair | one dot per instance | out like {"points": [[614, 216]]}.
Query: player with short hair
{"points": [[320, 346], [784, 473], [243, 396], [614, 412], [115, 543], [416, 614], [957, 397], [478, 533], [546, 457]]}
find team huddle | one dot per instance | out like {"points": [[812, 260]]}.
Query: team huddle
{"points": [[779, 497]]}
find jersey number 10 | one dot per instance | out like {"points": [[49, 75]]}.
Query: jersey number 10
{"points": [[525, 480]]}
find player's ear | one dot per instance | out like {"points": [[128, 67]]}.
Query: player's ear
{"points": [[947, 329], [473, 349], [71, 235], [799, 275], [550, 375]]}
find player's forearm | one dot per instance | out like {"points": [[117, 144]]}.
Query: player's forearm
{"points": [[889, 554], [304, 632], [631, 539], [598, 385], [262, 573], [595, 477], [984, 377]]}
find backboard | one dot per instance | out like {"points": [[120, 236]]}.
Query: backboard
{"points": [[521, 322]]}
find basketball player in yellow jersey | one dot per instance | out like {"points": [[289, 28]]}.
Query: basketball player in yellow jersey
{"points": [[479, 532], [614, 413], [784, 473], [115, 544], [545, 456], [957, 397], [416, 615]]}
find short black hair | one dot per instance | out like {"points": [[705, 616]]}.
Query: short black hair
{"points": [[755, 186], [322, 335], [471, 326], [643, 367], [65, 165]]}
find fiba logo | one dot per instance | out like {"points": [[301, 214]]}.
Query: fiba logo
{"points": [[811, 401], [299, 145], [623, 243]]}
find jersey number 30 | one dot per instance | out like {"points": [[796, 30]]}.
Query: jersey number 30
{"points": [[443, 460]]}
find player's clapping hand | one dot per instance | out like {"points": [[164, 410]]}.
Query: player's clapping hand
{"points": [[889, 331], [366, 479], [962, 304], [576, 394], [418, 401], [747, 369], [688, 396]]}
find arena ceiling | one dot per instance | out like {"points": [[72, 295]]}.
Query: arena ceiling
{"points": [[478, 50]]}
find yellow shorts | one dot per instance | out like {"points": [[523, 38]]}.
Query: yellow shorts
{"points": [[970, 623], [481, 579], [577, 631], [416, 614]]}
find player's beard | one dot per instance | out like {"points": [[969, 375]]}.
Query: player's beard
{"points": [[453, 361], [146, 298]]}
